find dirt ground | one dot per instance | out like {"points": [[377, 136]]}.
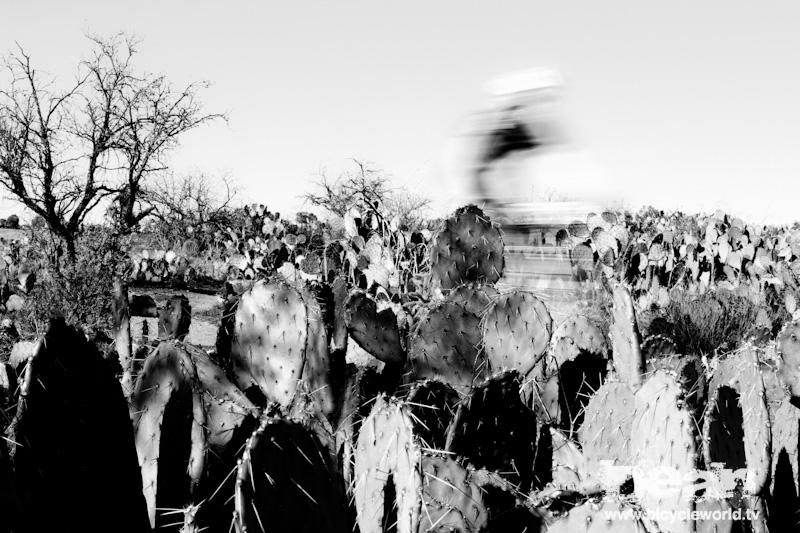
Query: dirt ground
{"points": [[206, 314]]}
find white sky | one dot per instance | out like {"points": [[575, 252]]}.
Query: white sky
{"points": [[677, 104]]}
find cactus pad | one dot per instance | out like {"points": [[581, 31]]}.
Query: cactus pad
{"points": [[605, 434], [451, 501], [516, 333], [445, 345], [286, 482], [279, 343], [664, 436], [468, 248], [493, 429], [629, 364], [375, 331], [576, 335], [475, 297], [432, 405], [388, 480], [183, 404], [736, 428]]}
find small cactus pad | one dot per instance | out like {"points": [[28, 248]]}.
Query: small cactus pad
{"points": [[475, 297], [605, 434], [664, 437], [74, 463], [432, 405], [569, 464], [375, 331], [451, 501], [493, 429], [607, 515], [629, 364], [388, 480], [468, 248], [576, 335], [286, 482], [516, 332], [736, 428], [279, 342], [445, 345]]}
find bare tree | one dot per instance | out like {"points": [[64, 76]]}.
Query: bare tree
{"points": [[179, 207], [367, 189], [62, 152]]}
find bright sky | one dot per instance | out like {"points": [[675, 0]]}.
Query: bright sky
{"points": [[676, 104]]}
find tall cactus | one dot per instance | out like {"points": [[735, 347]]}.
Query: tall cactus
{"points": [[629, 364], [388, 480], [736, 429], [75, 461], [664, 438]]}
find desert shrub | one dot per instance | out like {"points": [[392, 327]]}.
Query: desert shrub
{"points": [[708, 323], [79, 290]]}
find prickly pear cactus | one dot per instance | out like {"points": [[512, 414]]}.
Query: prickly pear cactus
{"points": [[788, 346], [599, 517], [122, 334], [605, 434], [286, 482], [475, 297], [736, 428], [445, 346], [689, 370], [451, 500], [493, 429], [74, 462], [374, 330], [388, 480], [364, 384], [516, 332], [279, 343], [569, 470], [664, 437], [783, 502], [576, 335], [183, 404], [629, 363], [468, 248], [432, 405]]}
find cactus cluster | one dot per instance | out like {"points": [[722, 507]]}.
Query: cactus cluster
{"points": [[468, 407]]}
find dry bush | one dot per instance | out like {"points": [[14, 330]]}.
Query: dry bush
{"points": [[706, 324]]}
